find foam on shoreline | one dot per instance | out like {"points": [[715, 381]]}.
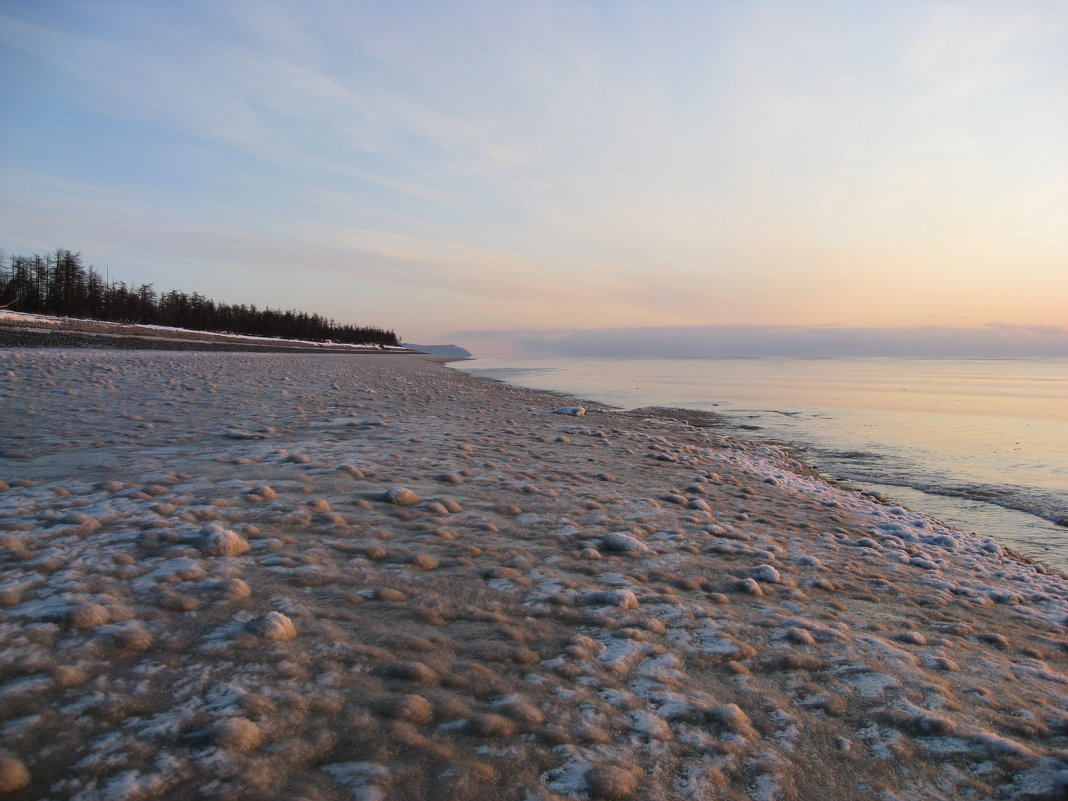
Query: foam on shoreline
{"points": [[318, 576]]}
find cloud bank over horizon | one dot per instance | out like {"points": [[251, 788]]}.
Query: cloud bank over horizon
{"points": [[991, 341]]}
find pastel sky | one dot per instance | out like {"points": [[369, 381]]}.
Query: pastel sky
{"points": [[447, 167]]}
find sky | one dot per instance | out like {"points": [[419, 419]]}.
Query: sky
{"points": [[511, 175]]}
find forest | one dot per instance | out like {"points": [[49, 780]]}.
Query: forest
{"points": [[60, 284]]}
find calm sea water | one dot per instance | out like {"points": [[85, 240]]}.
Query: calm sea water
{"points": [[981, 444]]}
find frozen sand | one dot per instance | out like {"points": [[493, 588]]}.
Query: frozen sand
{"points": [[212, 585]]}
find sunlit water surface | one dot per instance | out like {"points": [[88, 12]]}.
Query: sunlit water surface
{"points": [[981, 444]]}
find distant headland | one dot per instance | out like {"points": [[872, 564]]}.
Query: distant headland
{"points": [[441, 350]]}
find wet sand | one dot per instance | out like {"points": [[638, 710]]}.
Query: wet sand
{"points": [[320, 576]]}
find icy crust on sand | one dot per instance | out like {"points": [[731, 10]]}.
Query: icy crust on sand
{"points": [[28, 319], [308, 576]]}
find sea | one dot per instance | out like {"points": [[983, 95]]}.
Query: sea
{"points": [[981, 444]]}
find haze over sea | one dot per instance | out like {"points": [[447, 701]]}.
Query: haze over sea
{"points": [[981, 444]]}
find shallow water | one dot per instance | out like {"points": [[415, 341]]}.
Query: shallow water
{"points": [[979, 443]]}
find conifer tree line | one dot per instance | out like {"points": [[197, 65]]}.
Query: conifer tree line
{"points": [[60, 284]]}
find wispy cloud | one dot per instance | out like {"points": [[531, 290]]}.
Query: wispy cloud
{"points": [[562, 163]]}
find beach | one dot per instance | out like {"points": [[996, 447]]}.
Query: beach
{"points": [[981, 444], [335, 576]]}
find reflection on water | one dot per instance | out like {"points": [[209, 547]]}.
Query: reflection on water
{"points": [[966, 440]]}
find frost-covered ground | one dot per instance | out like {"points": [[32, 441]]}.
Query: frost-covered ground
{"points": [[335, 576], [98, 333]]}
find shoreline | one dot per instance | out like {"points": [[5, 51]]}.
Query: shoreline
{"points": [[25, 330], [252, 575], [1032, 519], [32, 338]]}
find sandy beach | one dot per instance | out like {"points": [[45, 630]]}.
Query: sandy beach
{"points": [[344, 576]]}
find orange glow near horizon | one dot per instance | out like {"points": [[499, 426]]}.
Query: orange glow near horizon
{"points": [[572, 166]]}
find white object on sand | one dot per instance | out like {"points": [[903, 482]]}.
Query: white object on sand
{"points": [[574, 411]]}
